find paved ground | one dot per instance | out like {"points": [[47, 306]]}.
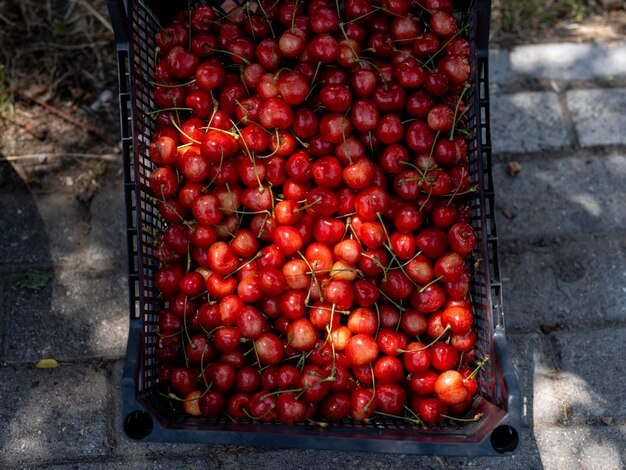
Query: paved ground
{"points": [[557, 113]]}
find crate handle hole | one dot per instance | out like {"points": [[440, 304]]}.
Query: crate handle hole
{"points": [[504, 439], [138, 425]]}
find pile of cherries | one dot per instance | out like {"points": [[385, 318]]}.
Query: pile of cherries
{"points": [[311, 165]]}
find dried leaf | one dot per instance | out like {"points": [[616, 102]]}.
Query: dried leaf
{"points": [[514, 168], [47, 363]]}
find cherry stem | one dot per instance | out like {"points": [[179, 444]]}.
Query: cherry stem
{"points": [[157, 111], [269, 22], [377, 263], [415, 416], [210, 183], [416, 168], [257, 255], [179, 129], [391, 252], [458, 33], [422, 289], [330, 378], [366, 407], [321, 424], [445, 330], [313, 82], [360, 17], [393, 302], [319, 288], [451, 196], [456, 109], [270, 409], [349, 224], [293, 17], [240, 57], [172, 85], [333, 309], [316, 201], [475, 418], [475, 371], [415, 420], [173, 396]]}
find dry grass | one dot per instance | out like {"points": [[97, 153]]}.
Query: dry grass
{"points": [[59, 49], [530, 20]]}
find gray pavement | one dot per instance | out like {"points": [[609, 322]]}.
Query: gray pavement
{"points": [[557, 113]]}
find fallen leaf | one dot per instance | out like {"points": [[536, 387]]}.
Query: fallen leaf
{"points": [[47, 363], [514, 168]]}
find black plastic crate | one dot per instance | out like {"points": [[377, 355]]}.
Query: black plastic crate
{"points": [[146, 417]]}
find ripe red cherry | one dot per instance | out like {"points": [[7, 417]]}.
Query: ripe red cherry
{"points": [[456, 68], [364, 115], [334, 127], [335, 407], [181, 63], [462, 238], [269, 348], [222, 259], [371, 202], [388, 370], [432, 241], [183, 380], [443, 24], [423, 383], [336, 98], [293, 88], [301, 335], [362, 82], [397, 285], [209, 75], [458, 318], [449, 388], [327, 172], [430, 409], [361, 349], [449, 266], [419, 136], [444, 357], [323, 48], [363, 403], [288, 239], [339, 292], [275, 112]]}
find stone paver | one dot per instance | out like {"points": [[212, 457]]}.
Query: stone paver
{"points": [[77, 315], [50, 414], [598, 115], [20, 247], [553, 197], [592, 393], [534, 366], [588, 447], [563, 284], [107, 237], [66, 221], [527, 122], [558, 61], [135, 463], [499, 68]]}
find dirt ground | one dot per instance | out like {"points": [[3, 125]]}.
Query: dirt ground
{"points": [[59, 117]]}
